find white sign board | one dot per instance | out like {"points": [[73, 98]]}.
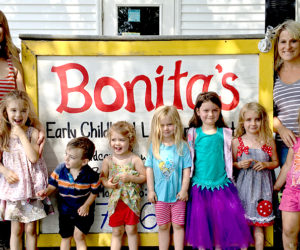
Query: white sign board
{"points": [[84, 95]]}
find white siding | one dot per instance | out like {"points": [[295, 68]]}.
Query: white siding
{"points": [[55, 17], [221, 17]]}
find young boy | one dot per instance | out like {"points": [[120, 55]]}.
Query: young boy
{"points": [[78, 186]]}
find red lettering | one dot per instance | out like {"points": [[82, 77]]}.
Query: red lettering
{"points": [[236, 95], [206, 82], [130, 97], [177, 76], [159, 87], [65, 90], [117, 104]]}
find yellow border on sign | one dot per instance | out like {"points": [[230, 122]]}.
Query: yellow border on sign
{"points": [[31, 49]]}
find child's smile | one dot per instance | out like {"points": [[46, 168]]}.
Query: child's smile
{"points": [[17, 113]]}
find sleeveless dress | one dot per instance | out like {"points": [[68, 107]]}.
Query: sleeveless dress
{"points": [[256, 187], [18, 200], [8, 83], [128, 192], [215, 215]]}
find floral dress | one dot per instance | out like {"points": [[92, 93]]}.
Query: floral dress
{"points": [[128, 192], [256, 187]]}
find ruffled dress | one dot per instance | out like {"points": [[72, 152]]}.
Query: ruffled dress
{"points": [[18, 201], [256, 187], [215, 216], [128, 192]]}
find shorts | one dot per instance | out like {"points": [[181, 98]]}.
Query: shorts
{"points": [[123, 215], [170, 212], [67, 224], [290, 201]]}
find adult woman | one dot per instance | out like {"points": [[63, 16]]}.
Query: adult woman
{"points": [[10, 66], [286, 105]]}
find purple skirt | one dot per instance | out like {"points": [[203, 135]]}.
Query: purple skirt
{"points": [[216, 219]]}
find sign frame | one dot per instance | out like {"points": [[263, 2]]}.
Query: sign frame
{"points": [[34, 46]]}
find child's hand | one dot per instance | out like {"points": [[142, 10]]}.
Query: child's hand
{"points": [[258, 166], [42, 194], [182, 196], [245, 163], [111, 184], [10, 176], [125, 177], [152, 197], [83, 210]]}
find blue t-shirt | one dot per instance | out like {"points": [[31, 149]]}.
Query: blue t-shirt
{"points": [[168, 171]]}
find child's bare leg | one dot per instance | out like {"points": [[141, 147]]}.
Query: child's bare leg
{"points": [[65, 243], [116, 237], [132, 235], [178, 236], [17, 229], [79, 238], [31, 237], [290, 228], [164, 236], [259, 238]]}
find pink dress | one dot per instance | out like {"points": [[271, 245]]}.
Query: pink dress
{"points": [[18, 200]]}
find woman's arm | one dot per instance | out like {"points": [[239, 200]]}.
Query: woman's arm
{"points": [[284, 170], [286, 134]]}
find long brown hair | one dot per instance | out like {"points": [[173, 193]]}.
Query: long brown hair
{"points": [[5, 126], [8, 49]]}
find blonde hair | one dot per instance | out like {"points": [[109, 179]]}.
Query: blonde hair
{"points": [[125, 129], [7, 46], [156, 133], [293, 28], [5, 126], [265, 132]]}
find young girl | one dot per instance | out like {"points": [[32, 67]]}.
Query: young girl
{"points": [[123, 172], [290, 202], [168, 168], [23, 173], [254, 154], [215, 216]]}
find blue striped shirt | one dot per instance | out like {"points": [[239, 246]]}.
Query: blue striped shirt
{"points": [[74, 193], [286, 104]]}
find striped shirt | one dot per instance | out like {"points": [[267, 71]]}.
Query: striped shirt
{"points": [[286, 104], [8, 83], [73, 193]]}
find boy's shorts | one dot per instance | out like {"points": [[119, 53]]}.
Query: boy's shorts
{"points": [[290, 201], [170, 212], [67, 224], [123, 215]]}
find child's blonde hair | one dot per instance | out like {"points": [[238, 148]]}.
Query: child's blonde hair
{"points": [[265, 132], [5, 126], [156, 133], [125, 129]]}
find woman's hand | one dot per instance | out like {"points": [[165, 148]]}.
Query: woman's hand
{"points": [[287, 136], [41, 141]]}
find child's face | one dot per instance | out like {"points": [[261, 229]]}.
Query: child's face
{"points": [[252, 122], [17, 113], [119, 143], [209, 113], [167, 127], [73, 158]]}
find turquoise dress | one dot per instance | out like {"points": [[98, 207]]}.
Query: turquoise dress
{"points": [[215, 216]]}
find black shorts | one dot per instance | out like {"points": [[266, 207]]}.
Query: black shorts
{"points": [[67, 224]]}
